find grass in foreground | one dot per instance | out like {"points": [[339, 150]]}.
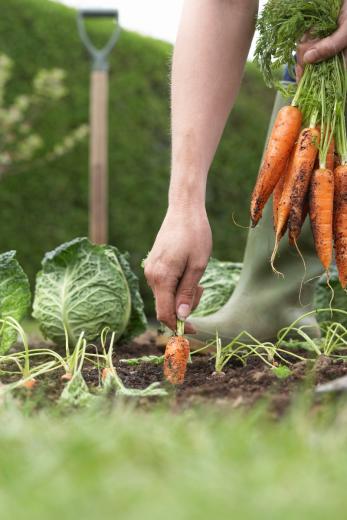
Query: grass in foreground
{"points": [[198, 465]]}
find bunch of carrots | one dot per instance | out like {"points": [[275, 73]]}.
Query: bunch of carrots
{"points": [[305, 162]]}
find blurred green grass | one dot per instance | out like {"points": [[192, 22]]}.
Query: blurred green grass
{"points": [[200, 464]]}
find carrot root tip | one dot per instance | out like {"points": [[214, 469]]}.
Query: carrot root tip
{"points": [[273, 257]]}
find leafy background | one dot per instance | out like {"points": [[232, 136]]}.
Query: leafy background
{"points": [[47, 205]]}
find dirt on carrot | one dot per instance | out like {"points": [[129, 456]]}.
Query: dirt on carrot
{"points": [[309, 148], [297, 181], [283, 136], [176, 358], [340, 222]]}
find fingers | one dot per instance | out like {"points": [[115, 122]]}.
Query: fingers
{"points": [[165, 305], [188, 327], [164, 290], [328, 47], [304, 45], [197, 296], [173, 298], [188, 292]]}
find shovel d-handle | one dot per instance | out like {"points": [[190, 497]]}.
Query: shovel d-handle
{"points": [[99, 56], [98, 148]]}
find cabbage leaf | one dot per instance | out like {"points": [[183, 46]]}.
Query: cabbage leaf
{"points": [[15, 297], [84, 287], [219, 282]]}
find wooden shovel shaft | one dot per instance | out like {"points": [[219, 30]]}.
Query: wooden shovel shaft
{"points": [[98, 187]]}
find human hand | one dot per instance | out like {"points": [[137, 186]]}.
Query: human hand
{"points": [[176, 263], [313, 51]]}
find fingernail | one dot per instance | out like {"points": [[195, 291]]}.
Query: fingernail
{"points": [[311, 56], [183, 311]]}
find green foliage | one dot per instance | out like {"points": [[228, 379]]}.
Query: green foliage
{"points": [[20, 144], [282, 371], [219, 282], [15, 297], [83, 288], [282, 23], [76, 393], [47, 205], [323, 297]]}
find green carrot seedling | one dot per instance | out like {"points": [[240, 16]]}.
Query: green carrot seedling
{"points": [[112, 383]]}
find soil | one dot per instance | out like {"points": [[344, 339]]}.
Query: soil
{"points": [[238, 386]]}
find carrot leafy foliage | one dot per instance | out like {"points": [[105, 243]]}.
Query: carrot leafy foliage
{"points": [[283, 23]]}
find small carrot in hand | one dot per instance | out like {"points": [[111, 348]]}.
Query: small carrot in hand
{"points": [[282, 139], [176, 356], [340, 222]]}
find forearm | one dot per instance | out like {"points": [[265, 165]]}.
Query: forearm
{"points": [[211, 49]]}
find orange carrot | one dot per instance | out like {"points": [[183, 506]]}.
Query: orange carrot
{"points": [[298, 179], [304, 212], [301, 181], [340, 222], [176, 359], [277, 194], [282, 139], [321, 214], [30, 384], [66, 377]]}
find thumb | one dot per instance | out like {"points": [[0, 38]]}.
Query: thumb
{"points": [[186, 291], [328, 47]]}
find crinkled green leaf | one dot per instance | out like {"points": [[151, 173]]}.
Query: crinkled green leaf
{"points": [[15, 297], [219, 282], [138, 321], [113, 385], [155, 360], [76, 393], [82, 288], [153, 390], [282, 371]]}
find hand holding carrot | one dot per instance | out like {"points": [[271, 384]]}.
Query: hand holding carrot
{"points": [[314, 51], [176, 263]]}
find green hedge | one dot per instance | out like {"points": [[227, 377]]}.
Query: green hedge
{"points": [[47, 205]]}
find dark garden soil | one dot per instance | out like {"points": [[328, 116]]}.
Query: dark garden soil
{"points": [[238, 386]]}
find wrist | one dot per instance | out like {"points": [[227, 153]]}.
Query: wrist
{"points": [[188, 189], [186, 200]]}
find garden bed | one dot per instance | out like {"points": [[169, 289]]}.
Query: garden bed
{"points": [[238, 386]]}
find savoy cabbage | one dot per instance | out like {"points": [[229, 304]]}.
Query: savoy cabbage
{"points": [[84, 287], [15, 297]]}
